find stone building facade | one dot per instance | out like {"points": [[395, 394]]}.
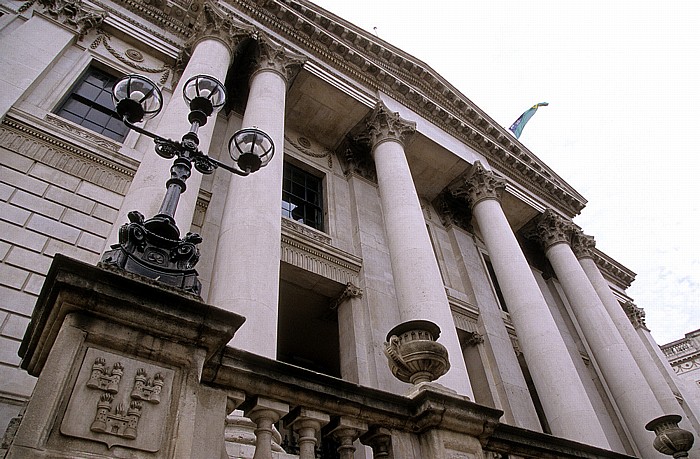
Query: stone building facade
{"points": [[391, 199]]}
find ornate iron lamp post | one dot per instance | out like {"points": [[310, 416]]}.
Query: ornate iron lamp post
{"points": [[153, 247]]}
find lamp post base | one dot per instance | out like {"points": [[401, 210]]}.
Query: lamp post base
{"points": [[156, 255]]}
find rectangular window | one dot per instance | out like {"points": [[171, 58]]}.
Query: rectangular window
{"points": [[302, 196], [90, 105]]}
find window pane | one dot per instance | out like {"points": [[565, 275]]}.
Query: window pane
{"points": [[302, 197], [90, 105]]}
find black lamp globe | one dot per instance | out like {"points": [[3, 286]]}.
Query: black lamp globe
{"points": [[251, 149], [205, 96], [137, 98]]}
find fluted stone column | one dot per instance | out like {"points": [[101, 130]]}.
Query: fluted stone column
{"points": [[629, 388], [246, 269], [212, 51], [419, 287], [53, 28], [569, 412]]}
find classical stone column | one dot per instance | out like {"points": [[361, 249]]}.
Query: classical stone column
{"points": [[583, 247], [53, 27], [246, 268], [629, 388], [420, 292], [216, 36], [566, 405], [307, 423]]}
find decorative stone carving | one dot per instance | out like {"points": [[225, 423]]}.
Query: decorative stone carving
{"points": [[130, 407], [131, 57], [670, 439], [303, 145], [414, 355], [635, 314], [453, 211], [53, 152], [351, 291], [472, 338], [306, 252], [583, 245], [383, 124], [357, 158], [479, 184], [75, 14], [272, 56], [214, 23], [553, 229]]}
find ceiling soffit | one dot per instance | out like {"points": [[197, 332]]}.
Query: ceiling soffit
{"points": [[383, 67]]}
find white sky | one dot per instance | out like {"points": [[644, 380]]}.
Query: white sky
{"points": [[622, 81]]}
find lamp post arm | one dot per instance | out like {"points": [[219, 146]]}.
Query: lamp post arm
{"points": [[140, 130], [228, 168]]}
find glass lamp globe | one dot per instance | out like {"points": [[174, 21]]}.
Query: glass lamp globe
{"points": [[136, 98], [204, 93], [251, 149]]}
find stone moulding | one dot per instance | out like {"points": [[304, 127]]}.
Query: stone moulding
{"points": [[613, 270], [33, 143], [311, 253]]}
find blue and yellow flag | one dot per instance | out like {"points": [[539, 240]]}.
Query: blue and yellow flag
{"points": [[517, 127]]}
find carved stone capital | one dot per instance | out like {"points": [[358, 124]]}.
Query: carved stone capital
{"points": [[472, 338], [351, 291], [635, 314], [453, 211], [479, 184], [553, 229], [74, 14], [383, 125], [213, 23], [583, 245], [273, 57]]}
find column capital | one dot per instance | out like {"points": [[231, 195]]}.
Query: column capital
{"points": [[582, 244], [274, 57], [383, 125], [635, 314], [479, 184], [215, 24], [552, 229], [74, 14]]}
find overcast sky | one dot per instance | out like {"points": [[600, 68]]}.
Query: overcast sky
{"points": [[622, 82]]}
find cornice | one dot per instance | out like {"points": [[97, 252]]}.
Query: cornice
{"points": [[613, 270], [382, 67]]}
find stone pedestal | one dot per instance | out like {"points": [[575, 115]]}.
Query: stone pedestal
{"points": [[119, 361]]}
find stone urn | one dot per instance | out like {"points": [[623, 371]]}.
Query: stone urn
{"points": [[670, 439], [414, 355]]}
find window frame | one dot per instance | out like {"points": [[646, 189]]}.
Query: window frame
{"points": [[72, 95], [320, 191]]}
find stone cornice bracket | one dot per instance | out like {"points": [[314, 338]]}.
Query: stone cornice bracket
{"points": [[552, 229], [383, 125], [274, 57], [351, 291], [583, 245], [75, 14], [453, 211], [214, 23], [635, 314], [479, 184]]}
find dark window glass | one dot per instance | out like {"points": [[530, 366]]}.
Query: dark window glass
{"points": [[90, 105], [302, 197]]}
